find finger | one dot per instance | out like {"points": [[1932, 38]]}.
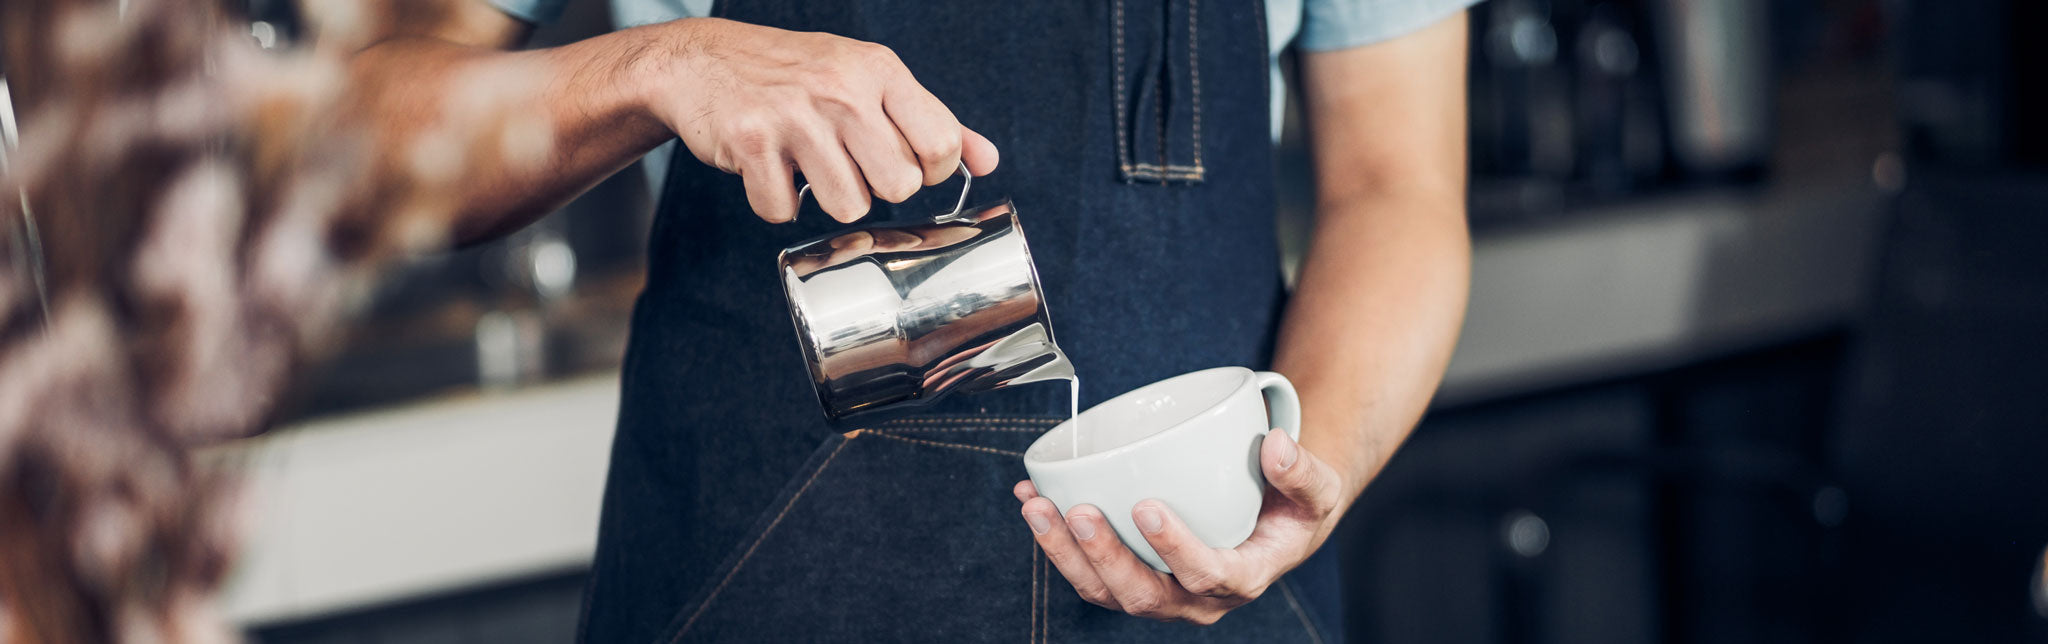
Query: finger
{"points": [[1025, 491], [930, 129], [1200, 569], [770, 190], [835, 180], [883, 156], [978, 152], [1299, 475], [1056, 538], [1141, 590]]}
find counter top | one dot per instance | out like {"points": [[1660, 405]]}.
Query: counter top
{"points": [[1655, 284], [363, 509]]}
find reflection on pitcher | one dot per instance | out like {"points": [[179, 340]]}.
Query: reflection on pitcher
{"points": [[901, 315]]}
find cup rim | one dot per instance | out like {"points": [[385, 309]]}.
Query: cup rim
{"points": [[1245, 377]]}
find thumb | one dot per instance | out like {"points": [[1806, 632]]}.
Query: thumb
{"points": [[1298, 474]]}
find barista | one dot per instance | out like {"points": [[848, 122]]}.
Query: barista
{"points": [[1137, 137]]}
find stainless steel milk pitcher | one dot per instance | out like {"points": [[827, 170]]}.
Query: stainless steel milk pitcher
{"points": [[896, 316]]}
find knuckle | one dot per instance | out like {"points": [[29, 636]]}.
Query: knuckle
{"points": [[834, 94], [895, 191], [750, 138], [1246, 595], [1099, 597], [939, 149], [1324, 508], [831, 80], [1145, 604], [1170, 550], [1323, 499], [1206, 583], [839, 204], [879, 54], [1203, 619], [1099, 559], [1061, 557], [850, 212], [1304, 482]]}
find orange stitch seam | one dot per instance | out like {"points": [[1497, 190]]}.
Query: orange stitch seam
{"points": [[1123, 153], [1034, 591], [968, 418], [968, 424], [1162, 176], [1195, 72], [938, 430], [749, 554], [1165, 76], [1155, 174], [1045, 597], [976, 448], [1169, 168]]}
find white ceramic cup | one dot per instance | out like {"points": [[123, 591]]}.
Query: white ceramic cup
{"points": [[1191, 441]]}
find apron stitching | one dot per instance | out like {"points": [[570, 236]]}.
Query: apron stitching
{"points": [[897, 430], [757, 540], [1137, 173], [1165, 73], [963, 425], [1045, 597], [1287, 590], [1123, 153], [1153, 169], [1195, 71], [920, 441], [1168, 168], [1034, 592], [958, 419]]}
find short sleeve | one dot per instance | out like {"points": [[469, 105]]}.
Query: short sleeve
{"points": [[537, 12], [1342, 24]]}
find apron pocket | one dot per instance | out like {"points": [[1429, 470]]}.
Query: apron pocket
{"points": [[1156, 83]]}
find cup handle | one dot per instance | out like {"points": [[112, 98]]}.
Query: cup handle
{"points": [[1283, 406]]}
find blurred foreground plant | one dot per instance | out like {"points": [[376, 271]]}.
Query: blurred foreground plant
{"points": [[186, 219]]}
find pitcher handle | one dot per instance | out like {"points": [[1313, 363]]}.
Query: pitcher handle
{"points": [[966, 182], [1283, 406]]}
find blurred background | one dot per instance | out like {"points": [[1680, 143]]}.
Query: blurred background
{"points": [[1754, 354]]}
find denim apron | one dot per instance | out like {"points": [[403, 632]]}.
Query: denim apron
{"points": [[735, 512]]}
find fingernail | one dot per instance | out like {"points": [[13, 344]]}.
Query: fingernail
{"points": [[1084, 527], [1289, 451], [1148, 519], [1038, 522]]}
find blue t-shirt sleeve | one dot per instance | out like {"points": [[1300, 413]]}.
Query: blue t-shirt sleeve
{"points": [[1343, 24], [538, 12]]}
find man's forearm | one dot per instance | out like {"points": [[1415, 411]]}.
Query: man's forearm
{"points": [[1382, 293], [529, 130], [502, 137], [1373, 321]]}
